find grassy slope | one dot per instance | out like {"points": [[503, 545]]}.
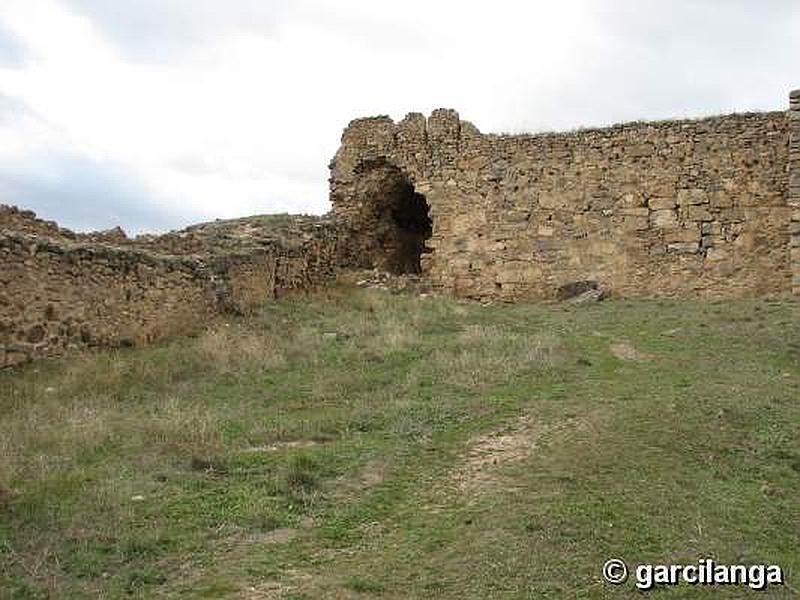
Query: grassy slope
{"points": [[369, 445]]}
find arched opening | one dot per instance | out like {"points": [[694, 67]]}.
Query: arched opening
{"points": [[410, 227], [391, 223]]}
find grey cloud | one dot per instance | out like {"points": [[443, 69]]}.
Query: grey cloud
{"points": [[197, 165], [193, 164], [78, 192], [638, 59], [12, 50], [11, 109], [158, 30], [376, 33], [84, 194], [657, 60]]}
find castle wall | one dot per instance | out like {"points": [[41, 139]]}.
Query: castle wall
{"points": [[59, 295], [694, 208], [793, 196], [667, 209]]}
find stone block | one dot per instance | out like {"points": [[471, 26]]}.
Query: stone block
{"points": [[684, 247], [689, 234], [698, 213], [576, 288], [635, 223], [545, 231], [665, 219], [721, 199], [635, 211], [631, 200], [730, 215], [642, 150], [662, 203], [692, 196], [715, 254], [551, 200]]}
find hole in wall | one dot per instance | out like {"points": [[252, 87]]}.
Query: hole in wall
{"points": [[412, 225], [391, 223]]}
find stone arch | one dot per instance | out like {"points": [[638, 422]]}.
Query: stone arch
{"points": [[389, 221]]}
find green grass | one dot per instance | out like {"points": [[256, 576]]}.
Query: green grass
{"points": [[368, 445]]}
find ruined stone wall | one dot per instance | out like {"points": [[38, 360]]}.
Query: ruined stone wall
{"points": [[61, 292], [19, 220], [58, 297], [675, 208], [794, 188]]}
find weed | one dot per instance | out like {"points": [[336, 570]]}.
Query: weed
{"points": [[384, 445]]}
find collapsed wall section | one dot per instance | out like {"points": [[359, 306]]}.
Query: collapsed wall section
{"points": [[675, 208], [60, 293]]}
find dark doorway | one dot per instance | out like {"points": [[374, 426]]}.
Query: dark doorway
{"points": [[387, 221], [411, 227]]}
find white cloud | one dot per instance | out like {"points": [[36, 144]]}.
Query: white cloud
{"points": [[224, 109]]}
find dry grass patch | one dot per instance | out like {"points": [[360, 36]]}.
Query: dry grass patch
{"points": [[8, 467], [185, 426], [487, 354], [625, 351], [227, 349]]}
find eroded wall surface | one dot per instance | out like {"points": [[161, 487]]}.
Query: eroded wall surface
{"points": [[793, 194], [61, 291], [693, 208]]}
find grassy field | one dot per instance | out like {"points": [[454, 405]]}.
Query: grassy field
{"points": [[368, 445]]}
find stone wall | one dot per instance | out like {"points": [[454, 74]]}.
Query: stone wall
{"points": [[794, 188], [703, 208], [18, 220], [61, 291], [663, 209], [58, 297]]}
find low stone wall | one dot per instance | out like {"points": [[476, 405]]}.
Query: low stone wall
{"points": [[58, 297], [692, 208], [61, 293]]}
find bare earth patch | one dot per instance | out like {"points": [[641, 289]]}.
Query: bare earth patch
{"points": [[282, 446], [274, 590], [489, 454], [625, 351], [353, 486]]}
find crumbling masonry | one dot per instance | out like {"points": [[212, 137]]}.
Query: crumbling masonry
{"points": [[61, 291], [700, 208]]}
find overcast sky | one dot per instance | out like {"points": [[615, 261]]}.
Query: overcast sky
{"points": [[154, 114]]}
